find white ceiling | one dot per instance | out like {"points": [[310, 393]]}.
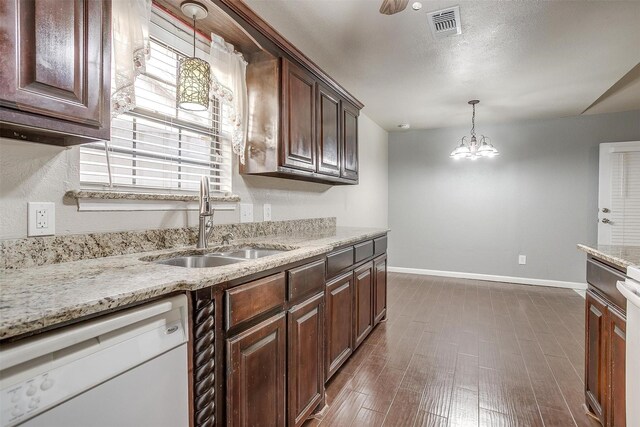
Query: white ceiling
{"points": [[524, 59]]}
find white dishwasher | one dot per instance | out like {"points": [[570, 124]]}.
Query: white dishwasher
{"points": [[630, 288], [125, 369]]}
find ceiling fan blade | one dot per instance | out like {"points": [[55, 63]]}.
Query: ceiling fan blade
{"points": [[389, 7]]}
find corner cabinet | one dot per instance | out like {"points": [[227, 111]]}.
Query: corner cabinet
{"points": [[300, 128], [56, 70], [605, 344]]}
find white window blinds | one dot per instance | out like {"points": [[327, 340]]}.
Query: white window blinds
{"points": [[156, 145], [625, 199]]}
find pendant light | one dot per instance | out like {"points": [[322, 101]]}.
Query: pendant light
{"points": [[194, 74], [473, 149]]}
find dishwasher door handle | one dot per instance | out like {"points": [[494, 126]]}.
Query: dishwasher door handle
{"points": [[31, 348]]}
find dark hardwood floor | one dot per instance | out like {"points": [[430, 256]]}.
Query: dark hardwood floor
{"points": [[466, 353]]}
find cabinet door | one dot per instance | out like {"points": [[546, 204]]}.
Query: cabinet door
{"points": [[339, 322], [306, 361], [55, 59], [363, 300], [617, 348], [596, 357], [299, 118], [349, 166], [329, 141], [380, 289], [256, 372]]}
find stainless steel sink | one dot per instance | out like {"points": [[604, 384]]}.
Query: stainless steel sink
{"points": [[252, 253], [200, 261], [217, 259]]}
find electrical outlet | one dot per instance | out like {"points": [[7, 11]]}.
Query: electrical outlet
{"points": [[246, 212], [41, 219], [266, 214], [522, 259]]}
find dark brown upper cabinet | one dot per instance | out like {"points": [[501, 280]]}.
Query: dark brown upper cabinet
{"points": [[300, 127], [298, 118], [329, 138], [349, 164], [55, 70]]}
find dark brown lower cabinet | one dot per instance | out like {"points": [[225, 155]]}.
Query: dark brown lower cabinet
{"points": [[256, 364], [595, 354], [306, 362], [339, 322], [362, 302], [380, 289], [617, 324], [605, 344]]}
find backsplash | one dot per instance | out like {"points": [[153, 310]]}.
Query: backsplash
{"points": [[37, 251]]}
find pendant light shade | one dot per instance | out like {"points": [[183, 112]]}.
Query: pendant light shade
{"points": [[472, 149], [194, 74]]}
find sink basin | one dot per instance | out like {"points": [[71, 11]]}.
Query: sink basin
{"points": [[200, 261], [217, 259], [252, 253]]}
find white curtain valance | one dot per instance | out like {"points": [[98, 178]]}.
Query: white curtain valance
{"points": [[229, 85], [129, 50]]}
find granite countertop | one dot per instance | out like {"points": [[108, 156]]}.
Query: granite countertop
{"points": [[622, 256], [39, 297]]}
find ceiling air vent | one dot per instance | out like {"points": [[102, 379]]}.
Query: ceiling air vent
{"points": [[445, 22]]}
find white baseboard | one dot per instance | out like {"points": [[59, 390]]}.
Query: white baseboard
{"points": [[581, 292], [490, 277]]}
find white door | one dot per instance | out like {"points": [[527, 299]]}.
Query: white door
{"points": [[619, 194]]}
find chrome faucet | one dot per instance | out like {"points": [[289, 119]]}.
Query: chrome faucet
{"points": [[205, 219]]}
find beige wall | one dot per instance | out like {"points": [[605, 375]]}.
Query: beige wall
{"points": [[41, 173]]}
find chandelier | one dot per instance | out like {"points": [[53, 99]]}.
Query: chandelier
{"points": [[473, 149], [194, 74]]}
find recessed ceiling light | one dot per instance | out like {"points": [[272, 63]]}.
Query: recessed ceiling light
{"points": [[417, 6], [404, 125]]}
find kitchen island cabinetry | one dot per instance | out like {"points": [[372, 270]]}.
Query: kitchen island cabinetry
{"points": [[605, 335]]}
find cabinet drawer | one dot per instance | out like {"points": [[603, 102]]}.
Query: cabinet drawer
{"points": [[339, 260], [363, 250], [604, 278], [252, 299], [380, 245], [306, 280]]}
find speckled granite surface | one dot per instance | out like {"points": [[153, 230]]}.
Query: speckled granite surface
{"points": [[37, 251], [115, 195], [39, 297], [622, 256]]}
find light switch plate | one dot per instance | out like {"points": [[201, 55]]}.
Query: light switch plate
{"points": [[41, 219], [246, 212], [522, 259], [266, 214]]}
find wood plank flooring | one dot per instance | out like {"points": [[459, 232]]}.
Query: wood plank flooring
{"points": [[466, 353]]}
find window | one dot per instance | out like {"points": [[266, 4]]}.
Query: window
{"points": [[157, 146]]}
